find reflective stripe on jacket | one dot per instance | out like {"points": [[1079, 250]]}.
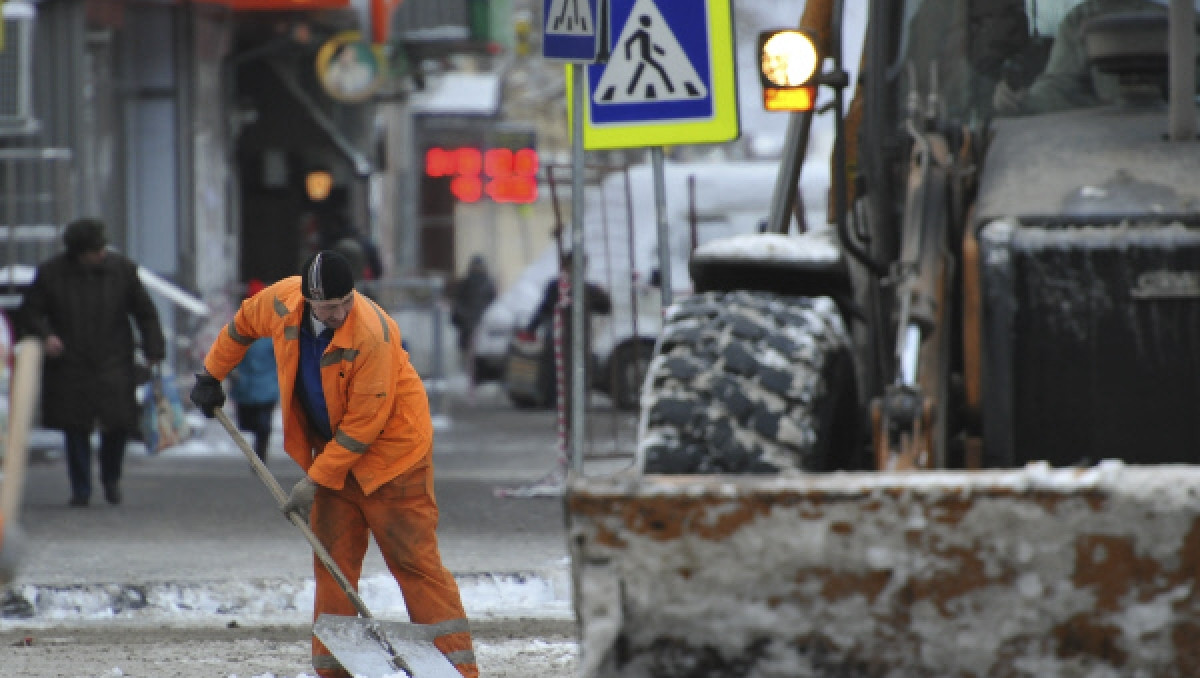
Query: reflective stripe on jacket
{"points": [[378, 409]]}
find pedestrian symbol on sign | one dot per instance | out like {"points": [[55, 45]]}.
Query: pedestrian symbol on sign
{"points": [[668, 79], [648, 64], [569, 17]]}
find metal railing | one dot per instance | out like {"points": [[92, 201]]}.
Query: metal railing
{"points": [[418, 306]]}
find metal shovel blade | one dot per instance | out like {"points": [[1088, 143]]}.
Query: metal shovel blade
{"points": [[355, 641]]}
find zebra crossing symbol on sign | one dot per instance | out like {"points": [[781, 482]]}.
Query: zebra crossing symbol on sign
{"points": [[668, 78], [647, 63], [570, 17], [570, 31]]}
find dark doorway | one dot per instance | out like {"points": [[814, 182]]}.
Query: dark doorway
{"points": [[278, 144]]}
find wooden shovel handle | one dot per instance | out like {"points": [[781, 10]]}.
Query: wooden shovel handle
{"points": [[23, 398]]}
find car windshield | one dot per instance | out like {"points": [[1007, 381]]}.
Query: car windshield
{"points": [[982, 58]]}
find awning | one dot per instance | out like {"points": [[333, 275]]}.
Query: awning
{"points": [[458, 92], [286, 5], [111, 13], [379, 11]]}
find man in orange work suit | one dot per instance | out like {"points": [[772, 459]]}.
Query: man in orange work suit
{"points": [[356, 419]]}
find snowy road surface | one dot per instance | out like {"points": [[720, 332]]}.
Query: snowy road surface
{"points": [[529, 650]]}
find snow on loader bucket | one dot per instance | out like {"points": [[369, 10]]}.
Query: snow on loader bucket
{"points": [[364, 646], [1029, 572]]}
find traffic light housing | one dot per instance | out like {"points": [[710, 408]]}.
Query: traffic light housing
{"points": [[788, 64]]}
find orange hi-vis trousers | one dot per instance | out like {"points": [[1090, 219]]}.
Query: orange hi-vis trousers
{"points": [[402, 515]]}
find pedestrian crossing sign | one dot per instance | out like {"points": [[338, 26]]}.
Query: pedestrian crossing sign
{"points": [[569, 30], [669, 78]]}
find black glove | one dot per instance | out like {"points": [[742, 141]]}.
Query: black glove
{"points": [[207, 394]]}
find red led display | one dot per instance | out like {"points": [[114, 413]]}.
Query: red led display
{"points": [[525, 162], [498, 162], [439, 163], [466, 189], [468, 162], [513, 189], [502, 174]]}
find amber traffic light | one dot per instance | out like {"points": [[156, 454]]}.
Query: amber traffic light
{"points": [[787, 64]]}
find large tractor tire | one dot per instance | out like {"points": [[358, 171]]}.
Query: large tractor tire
{"points": [[750, 382]]}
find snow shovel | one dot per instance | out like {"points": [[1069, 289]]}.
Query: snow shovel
{"points": [[363, 645]]}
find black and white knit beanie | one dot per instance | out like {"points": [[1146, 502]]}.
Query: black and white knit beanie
{"points": [[326, 276]]}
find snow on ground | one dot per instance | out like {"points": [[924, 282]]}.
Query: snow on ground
{"points": [[486, 596], [243, 654]]}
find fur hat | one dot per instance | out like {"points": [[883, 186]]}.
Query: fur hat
{"points": [[84, 235], [326, 276]]}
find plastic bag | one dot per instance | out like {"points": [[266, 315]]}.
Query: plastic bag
{"points": [[163, 422]]}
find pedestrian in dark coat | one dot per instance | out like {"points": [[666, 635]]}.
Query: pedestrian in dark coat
{"points": [[472, 295], [80, 304]]}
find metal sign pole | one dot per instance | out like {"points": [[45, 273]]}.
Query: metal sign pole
{"points": [[572, 33], [578, 372], [660, 212]]}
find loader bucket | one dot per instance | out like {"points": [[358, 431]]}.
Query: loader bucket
{"points": [[1029, 572]]}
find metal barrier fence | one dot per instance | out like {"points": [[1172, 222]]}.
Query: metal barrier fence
{"points": [[419, 308]]}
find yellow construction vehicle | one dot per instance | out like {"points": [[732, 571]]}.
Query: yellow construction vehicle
{"points": [[955, 433]]}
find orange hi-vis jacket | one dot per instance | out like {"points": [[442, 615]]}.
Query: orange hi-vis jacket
{"points": [[378, 409]]}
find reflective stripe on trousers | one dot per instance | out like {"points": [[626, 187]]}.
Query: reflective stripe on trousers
{"points": [[402, 515]]}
